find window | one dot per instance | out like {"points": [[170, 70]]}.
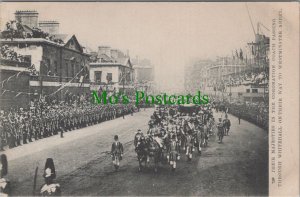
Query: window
{"points": [[67, 69], [55, 68], [27, 58], [73, 69], [254, 90], [109, 77], [47, 64], [248, 90], [98, 75]]}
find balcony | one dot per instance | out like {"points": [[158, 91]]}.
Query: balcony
{"points": [[56, 79]]}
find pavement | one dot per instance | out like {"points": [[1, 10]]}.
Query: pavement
{"points": [[238, 166]]}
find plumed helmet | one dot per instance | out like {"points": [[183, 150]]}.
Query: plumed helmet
{"points": [[4, 165], [116, 137], [49, 170]]}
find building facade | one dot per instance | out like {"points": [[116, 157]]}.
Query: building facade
{"points": [[111, 70], [144, 75]]}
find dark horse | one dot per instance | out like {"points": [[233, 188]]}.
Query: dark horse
{"points": [[147, 148]]}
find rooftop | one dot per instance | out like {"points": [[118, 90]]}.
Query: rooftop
{"points": [[26, 11], [48, 22]]}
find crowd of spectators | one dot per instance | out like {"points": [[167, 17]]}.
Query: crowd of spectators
{"points": [[250, 77], [16, 30], [9, 54], [43, 119], [255, 112]]}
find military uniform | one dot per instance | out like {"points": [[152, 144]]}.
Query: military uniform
{"points": [[116, 152]]}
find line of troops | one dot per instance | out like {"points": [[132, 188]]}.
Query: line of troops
{"points": [[22, 127]]}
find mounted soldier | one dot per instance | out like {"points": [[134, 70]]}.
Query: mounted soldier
{"points": [[137, 136]]}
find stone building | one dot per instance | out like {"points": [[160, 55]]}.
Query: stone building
{"points": [[56, 64], [144, 74], [111, 70]]}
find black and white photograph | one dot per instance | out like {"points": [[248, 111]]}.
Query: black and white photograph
{"points": [[145, 98]]}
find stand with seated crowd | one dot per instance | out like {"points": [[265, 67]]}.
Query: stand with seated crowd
{"points": [[254, 112]]}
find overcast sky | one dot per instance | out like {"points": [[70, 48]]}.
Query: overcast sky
{"points": [[168, 34]]}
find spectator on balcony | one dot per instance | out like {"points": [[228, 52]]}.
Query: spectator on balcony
{"points": [[49, 73]]}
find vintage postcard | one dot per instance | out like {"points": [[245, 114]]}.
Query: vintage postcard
{"points": [[149, 98]]}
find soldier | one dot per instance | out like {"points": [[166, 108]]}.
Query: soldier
{"points": [[25, 130], [4, 182], [116, 152], [227, 124], [62, 126], [137, 136], [220, 130], [173, 151], [50, 188], [30, 129]]}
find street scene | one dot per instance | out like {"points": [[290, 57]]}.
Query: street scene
{"points": [[139, 109]]}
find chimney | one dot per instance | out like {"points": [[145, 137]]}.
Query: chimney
{"points": [[52, 27], [104, 50], [27, 17], [114, 53]]}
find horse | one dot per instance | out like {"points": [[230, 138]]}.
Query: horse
{"points": [[220, 132], [141, 150], [226, 123], [146, 148], [154, 151]]}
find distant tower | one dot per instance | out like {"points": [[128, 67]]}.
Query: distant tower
{"points": [[52, 27], [27, 17]]}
